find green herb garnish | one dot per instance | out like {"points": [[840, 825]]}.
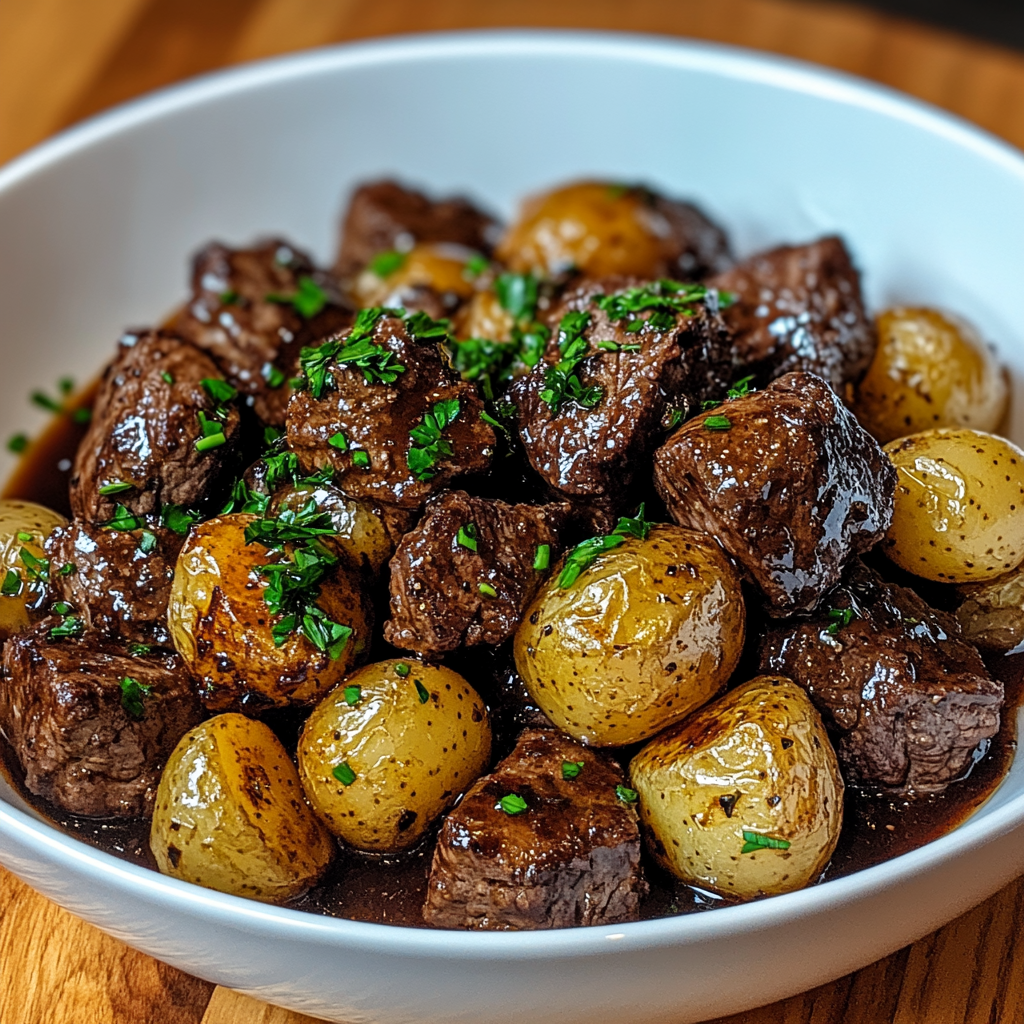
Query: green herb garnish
{"points": [[466, 537], [717, 422], [421, 692], [753, 841], [661, 300], [204, 444], [272, 375], [167, 377], [361, 459], [24, 537], [429, 446], [67, 569], [307, 300], [72, 626], [475, 266], [11, 586], [487, 590], [118, 487], [35, 568], [339, 441], [352, 695], [178, 519], [133, 693], [513, 803], [147, 543], [517, 294], [585, 554], [220, 391], [839, 617], [44, 401], [543, 557], [229, 298], [123, 520], [570, 769], [344, 774], [741, 388], [562, 380], [402, 668], [626, 795], [139, 650], [17, 443], [384, 264]]}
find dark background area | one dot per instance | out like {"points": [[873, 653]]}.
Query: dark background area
{"points": [[998, 21]]}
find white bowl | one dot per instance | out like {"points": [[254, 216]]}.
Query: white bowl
{"points": [[95, 230]]}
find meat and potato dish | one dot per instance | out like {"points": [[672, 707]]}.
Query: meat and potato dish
{"points": [[551, 574]]}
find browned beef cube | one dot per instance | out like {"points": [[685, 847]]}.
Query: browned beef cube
{"points": [[460, 545], [88, 741], [383, 216], [572, 857], [363, 428], [145, 431], [240, 314], [634, 382], [695, 245], [908, 699], [787, 481], [121, 579], [800, 308]]}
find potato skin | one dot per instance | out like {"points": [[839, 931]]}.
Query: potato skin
{"points": [[21, 610], [756, 760], [230, 814], [439, 266], [221, 626], [931, 369], [651, 631], [411, 758], [959, 505]]}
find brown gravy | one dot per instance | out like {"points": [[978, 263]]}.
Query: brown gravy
{"points": [[391, 889]]}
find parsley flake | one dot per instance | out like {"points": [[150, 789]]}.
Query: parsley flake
{"points": [[717, 422], [11, 587], [176, 518], [626, 795], [402, 668], [133, 693], [839, 617], [123, 520], [72, 626], [167, 378], [272, 375], [741, 388], [586, 553], [429, 446], [543, 557], [466, 537], [307, 300], [513, 803], [220, 391], [339, 441], [517, 294], [562, 382], [361, 459], [570, 769], [661, 300], [118, 487], [753, 841], [35, 568], [421, 691], [352, 695], [487, 590], [147, 543], [204, 444], [139, 650], [24, 537], [344, 774], [17, 443], [475, 266], [384, 264]]}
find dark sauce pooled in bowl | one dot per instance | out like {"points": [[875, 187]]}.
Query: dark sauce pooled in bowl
{"points": [[391, 889]]}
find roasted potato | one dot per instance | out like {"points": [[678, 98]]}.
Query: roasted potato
{"points": [[959, 512], [930, 369], [992, 613], [438, 266], [595, 227], [390, 749], [23, 570], [744, 797], [221, 626], [651, 631], [361, 537], [230, 814], [484, 317]]}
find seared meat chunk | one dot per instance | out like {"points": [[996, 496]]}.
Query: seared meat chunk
{"points": [[382, 216], [121, 579], [631, 384], [789, 484], [145, 430], [363, 427], [572, 857], [907, 698], [799, 307], [89, 741], [240, 314], [463, 544]]}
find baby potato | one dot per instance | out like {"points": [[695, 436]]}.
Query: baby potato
{"points": [[439, 266], [651, 631], [484, 317], [23, 528], [361, 537], [992, 613], [595, 227], [959, 512], [221, 626], [744, 797], [931, 369], [230, 814], [389, 750]]}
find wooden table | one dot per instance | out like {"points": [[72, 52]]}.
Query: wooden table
{"points": [[61, 60]]}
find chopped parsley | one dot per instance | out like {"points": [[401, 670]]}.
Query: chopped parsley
{"points": [[62, 608], [35, 568], [586, 553], [229, 298], [67, 569], [626, 795], [753, 841], [167, 377], [82, 415], [44, 401], [543, 557], [717, 422], [352, 695], [339, 441], [204, 444], [384, 264], [839, 617], [17, 443], [72, 626], [176, 518], [562, 380], [24, 536], [487, 590], [344, 774], [220, 391], [741, 388], [139, 650], [475, 266], [661, 301], [513, 803], [517, 294], [421, 691], [402, 668], [357, 348], [272, 375], [244, 499], [133, 693], [614, 346], [307, 300], [361, 459], [123, 520], [118, 487], [466, 537], [147, 543], [429, 446], [11, 586], [483, 360], [570, 769], [675, 418]]}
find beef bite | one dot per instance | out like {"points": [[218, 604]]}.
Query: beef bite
{"points": [[383, 410], [625, 361], [529, 847], [787, 481], [799, 307], [252, 310], [465, 575], [383, 216], [908, 700], [119, 581], [92, 725], [147, 446]]}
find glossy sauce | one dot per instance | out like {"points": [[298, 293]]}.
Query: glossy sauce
{"points": [[391, 889]]}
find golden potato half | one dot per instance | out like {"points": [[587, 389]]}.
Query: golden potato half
{"points": [[230, 814], [595, 227], [745, 797], [959, 512], [651, 631], [439, 266], [389, 751], [931, 369], [221, 626], [23, 528]]}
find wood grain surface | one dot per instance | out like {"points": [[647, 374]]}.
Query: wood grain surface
{"points": [[61, 60]]}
